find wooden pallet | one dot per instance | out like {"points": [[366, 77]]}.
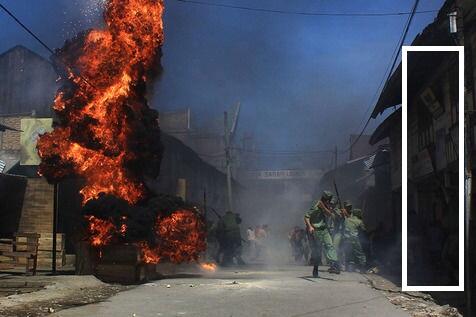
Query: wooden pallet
{"points": [[23, 251], [122, 264], [45, 247]]}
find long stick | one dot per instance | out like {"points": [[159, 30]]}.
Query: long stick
{"points": [[337, 194], [215, 212], [228, 163]]}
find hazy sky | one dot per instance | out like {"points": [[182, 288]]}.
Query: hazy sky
{"points": [[304, 82]]}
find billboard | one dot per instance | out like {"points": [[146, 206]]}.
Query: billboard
{"points": [[31, 129]]}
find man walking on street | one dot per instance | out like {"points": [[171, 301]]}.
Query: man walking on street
{"points": [[316, 225]]}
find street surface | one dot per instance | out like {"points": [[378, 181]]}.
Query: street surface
{"points": [[249, 291]]}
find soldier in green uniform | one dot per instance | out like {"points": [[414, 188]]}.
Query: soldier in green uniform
{"points": [[332, 221], [316, 224], [230, 238], [338, 229], [353, 226], [212, 252]]}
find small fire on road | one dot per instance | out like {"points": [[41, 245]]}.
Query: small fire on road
{"points": [[208, 266]]}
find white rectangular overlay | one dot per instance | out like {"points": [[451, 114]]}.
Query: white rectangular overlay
{"points": [[460, 50]]}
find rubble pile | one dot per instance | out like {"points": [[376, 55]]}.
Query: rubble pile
{"points": [[419, 307]]}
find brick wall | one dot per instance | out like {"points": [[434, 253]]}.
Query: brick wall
{"points": [[37, 212], [10, 140]]}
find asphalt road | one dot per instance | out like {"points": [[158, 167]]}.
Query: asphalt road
{"points": [[252, 291]]}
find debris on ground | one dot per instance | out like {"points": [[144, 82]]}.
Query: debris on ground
{"points": [[417, 304], [59, 292], [420, 308]]}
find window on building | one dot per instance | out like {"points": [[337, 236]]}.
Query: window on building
{"points": [[426, 135], [453, 82]]}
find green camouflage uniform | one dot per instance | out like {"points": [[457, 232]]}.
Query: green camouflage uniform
{"points": [[230, 237], [353, 225], [322, 237], [337, 231]]}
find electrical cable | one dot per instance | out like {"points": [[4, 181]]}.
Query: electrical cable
{"points": [[43, 44], [26, 28], [402, 40], [386, 75], [333, 14]]}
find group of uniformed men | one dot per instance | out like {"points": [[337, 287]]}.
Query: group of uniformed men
{"points": [[331, 231], [335, 232]]}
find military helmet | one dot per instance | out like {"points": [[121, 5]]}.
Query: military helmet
{"points": [[347, 204], [357, 212], [327, 195]]}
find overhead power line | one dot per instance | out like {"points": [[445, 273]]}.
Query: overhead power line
{"points": [[315, 13], [387, 74], [26, 28], [285, 153], [70, 68], [388, 71], [270, 153]]}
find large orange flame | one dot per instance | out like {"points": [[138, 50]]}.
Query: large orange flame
{"points": [[101, 232], [101, 107], [106, 134], [181, 238]]}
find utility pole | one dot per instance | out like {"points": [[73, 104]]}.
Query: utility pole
{"points": [[456, 22], [55, 228], [468, 189], [228, 162]]}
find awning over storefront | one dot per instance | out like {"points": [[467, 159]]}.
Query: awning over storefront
{"points": [[420, 66], [383, 130]]}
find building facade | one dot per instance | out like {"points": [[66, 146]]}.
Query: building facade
{"points": [[433, 121]]}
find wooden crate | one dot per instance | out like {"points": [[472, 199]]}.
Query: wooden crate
{"points": [[5, 259], [122, 264], [121, 273], [37, 210], [6, 265], [120, 254], [47, 263], [49, 254], [45, 258], [6, 245], [45, 246], [46, 242], [23, 251]]}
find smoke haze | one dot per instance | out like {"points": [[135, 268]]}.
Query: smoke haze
{"points": [[299, 78]]}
